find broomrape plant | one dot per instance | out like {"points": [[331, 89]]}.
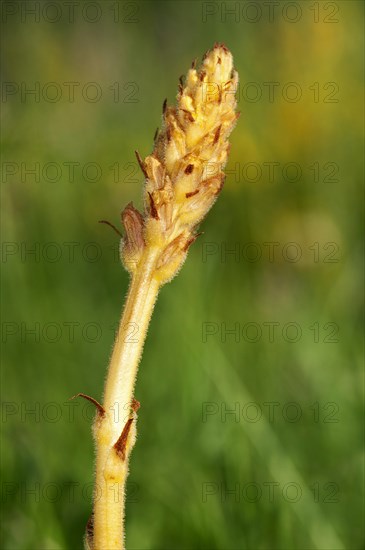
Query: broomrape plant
{"points": [[179, 190]]}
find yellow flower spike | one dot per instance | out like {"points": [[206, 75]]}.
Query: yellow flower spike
{"points": [[184, 173]]}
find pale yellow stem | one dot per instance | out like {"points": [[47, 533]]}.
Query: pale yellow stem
{"points": [[111, 468]]}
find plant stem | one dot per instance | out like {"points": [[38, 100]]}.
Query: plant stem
{"points": [[112, 450], [178, 193]]}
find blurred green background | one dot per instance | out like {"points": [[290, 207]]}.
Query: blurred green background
{"points": [[284, 470]]}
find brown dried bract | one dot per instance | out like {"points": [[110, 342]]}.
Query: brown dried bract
{"points": [[100, 408]]}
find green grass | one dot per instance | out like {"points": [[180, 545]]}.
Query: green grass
{"points": [[182, 466]]}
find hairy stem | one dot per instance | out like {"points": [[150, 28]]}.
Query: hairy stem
{"points": [[115, 431], [180, 188]]}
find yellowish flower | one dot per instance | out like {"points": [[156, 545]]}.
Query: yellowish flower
{"points": [[184, 174]]}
